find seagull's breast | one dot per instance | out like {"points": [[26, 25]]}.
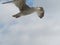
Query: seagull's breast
{"points": [[28, 11]]}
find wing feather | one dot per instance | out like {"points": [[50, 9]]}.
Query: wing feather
{"points": [[21, 4]]}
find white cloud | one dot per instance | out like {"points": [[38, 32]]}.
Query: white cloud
{"points": [[28, 30]]}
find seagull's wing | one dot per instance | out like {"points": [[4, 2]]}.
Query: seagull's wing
{"points": [[21, 4], [40, 12], [8, 2]]}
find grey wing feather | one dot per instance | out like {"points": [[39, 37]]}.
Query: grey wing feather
{"points": [[8, 2], [21, 4]]}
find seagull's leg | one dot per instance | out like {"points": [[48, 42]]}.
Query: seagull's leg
{"points": [[17, 15]]}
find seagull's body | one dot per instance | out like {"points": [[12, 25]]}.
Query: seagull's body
{"points": [[25, 9]]}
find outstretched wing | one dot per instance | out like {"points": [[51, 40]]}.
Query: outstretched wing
{"points": [[9, 2], [21, 4]]}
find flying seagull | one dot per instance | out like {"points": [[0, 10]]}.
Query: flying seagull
{"points": [[25, 9]]}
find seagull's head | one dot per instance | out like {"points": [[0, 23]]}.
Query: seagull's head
{"points": [[40, 8]]}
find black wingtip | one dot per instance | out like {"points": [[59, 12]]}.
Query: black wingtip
{"points": [[7, 2]]}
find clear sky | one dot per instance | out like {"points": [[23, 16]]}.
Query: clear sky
{"points": [[30, 29]]}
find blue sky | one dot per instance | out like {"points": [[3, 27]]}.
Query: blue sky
{"points": [[30, 29]]}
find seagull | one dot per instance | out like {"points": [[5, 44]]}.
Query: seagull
{"points": [[25, 9]]}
